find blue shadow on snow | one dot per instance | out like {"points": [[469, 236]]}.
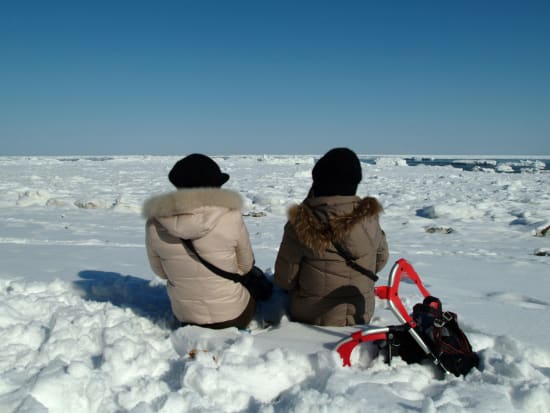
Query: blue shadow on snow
{"points": [[126, 291]]}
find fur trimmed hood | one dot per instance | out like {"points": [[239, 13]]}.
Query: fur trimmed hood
{"points": [[192, 213], [343, 213], [186, 200]]}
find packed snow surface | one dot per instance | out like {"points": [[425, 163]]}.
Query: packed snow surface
{"points": [[86, 327]]}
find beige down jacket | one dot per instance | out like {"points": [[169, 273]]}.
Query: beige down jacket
{"points": [[211, 218], [323, 289]]}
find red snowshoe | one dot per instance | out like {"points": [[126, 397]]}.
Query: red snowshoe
{"points": [[427, 333]]}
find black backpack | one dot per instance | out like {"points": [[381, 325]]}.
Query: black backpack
{"points": [[440, 331]]}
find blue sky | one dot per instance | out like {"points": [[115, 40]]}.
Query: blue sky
{"points": [[232, 77]]}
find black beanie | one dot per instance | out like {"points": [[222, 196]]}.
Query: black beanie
{"points": [[197, 170], [338, 172]]}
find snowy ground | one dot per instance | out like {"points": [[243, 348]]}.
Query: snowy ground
{"points": [[86, 327]]}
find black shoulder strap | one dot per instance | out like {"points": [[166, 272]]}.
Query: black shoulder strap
{"points": [[345, 254], [350, 262], [218, 271]]}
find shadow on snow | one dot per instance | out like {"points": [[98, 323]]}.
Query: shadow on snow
{"points": [[126, 291]]}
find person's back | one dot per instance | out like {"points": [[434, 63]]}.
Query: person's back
{"points": [[324, 290], [201, 211]]}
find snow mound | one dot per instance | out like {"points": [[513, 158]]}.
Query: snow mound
{"points": [[28, 198], [303, 174], [459, 210], [108, 350], [504, 167], [125, 206], [270, 202], [55, 202], [92, 204], [438, 230]]}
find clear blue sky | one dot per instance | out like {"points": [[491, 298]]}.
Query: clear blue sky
{"points": [[230, 77]]}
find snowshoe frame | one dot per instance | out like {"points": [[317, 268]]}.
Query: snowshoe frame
{"points": [[401, 269]]}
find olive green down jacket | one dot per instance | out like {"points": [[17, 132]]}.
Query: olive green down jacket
{"points": [[323, 289], [212, 219]]}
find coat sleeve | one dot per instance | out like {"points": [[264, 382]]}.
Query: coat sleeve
{"points": [[245, 255], [382, 253], [289, 257], [154, 258]]}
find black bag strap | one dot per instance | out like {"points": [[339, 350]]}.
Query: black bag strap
{"points": [[350, 262], [345, 254], [216, 270]]}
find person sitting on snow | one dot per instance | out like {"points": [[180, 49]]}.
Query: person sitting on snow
{"points": [[332, 222], [201, 211]]}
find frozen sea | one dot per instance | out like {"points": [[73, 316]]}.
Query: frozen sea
{"points": [[85, 326]]}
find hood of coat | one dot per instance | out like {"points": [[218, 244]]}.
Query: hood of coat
{"points": [[318, 221], [191, 213]]}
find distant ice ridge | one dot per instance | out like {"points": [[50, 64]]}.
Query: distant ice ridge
{"points": [[500, 165], [390, 162], [524, 165], [474, 164], [287, 159]]}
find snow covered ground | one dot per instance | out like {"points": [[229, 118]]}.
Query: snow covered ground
{"points": [[86, 327]]}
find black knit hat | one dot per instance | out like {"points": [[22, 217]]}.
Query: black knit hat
{"points": [[338, 172], [197, 170]]}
